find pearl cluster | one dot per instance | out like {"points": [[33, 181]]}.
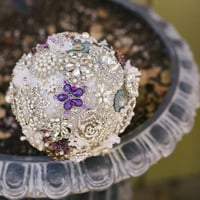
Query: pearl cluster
{"points": [[45, 63], [73, 96]]}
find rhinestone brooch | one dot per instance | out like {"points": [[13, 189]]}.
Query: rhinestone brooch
{"points": [[73, 96]]}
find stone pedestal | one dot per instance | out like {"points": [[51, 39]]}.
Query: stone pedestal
{"points": [[41, 177]]}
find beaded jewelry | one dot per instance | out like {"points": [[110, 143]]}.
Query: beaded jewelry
{"points": [[73, 96]]}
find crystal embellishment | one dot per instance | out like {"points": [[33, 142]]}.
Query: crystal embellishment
{"points": [[73, 96]]}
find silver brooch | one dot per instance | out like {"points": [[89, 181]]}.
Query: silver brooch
{"points": [[73, 96]]}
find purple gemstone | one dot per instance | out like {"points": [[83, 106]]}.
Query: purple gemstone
{"points": [[78, 92], [63, 145], [62, 97], [67, 105], [77, 102], [67, 88], [73, 88], [44, 44], [72, 103]]}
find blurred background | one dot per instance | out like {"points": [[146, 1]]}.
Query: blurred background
{"points": [[178, 176]]}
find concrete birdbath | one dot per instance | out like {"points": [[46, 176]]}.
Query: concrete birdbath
{"points": [[169, 97]]}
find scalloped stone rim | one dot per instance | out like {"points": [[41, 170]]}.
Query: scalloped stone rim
{"points": [[155, 139]]}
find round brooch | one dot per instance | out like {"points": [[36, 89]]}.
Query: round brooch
{"points": [[73, 96]]}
